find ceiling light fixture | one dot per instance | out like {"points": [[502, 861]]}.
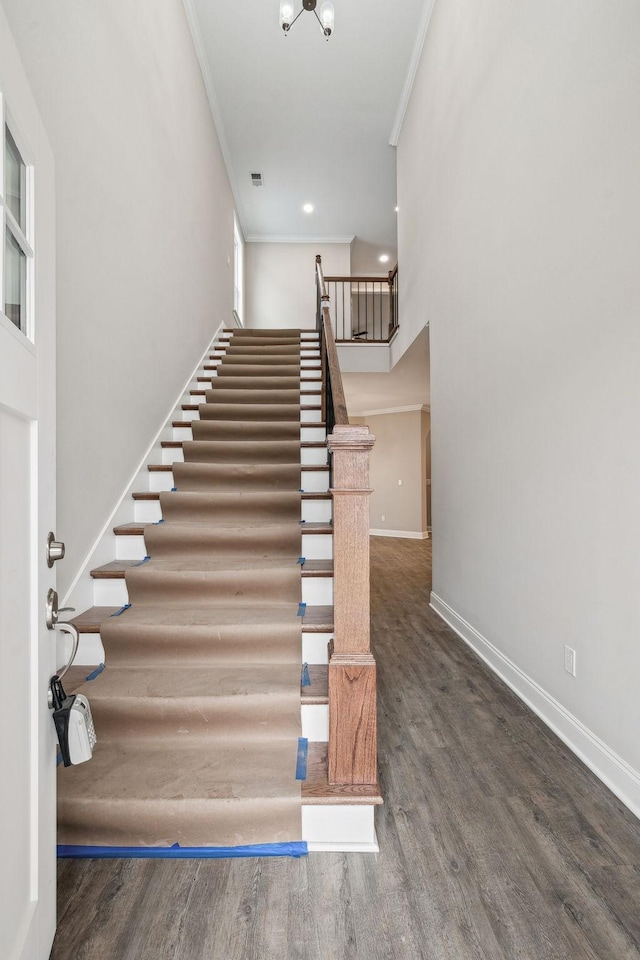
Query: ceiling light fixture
{"points": [[384, 258], [308, 208], [326, 18]]}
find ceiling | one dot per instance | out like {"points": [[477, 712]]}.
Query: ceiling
{"points": [[314, 117]]}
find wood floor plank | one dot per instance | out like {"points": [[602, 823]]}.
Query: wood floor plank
{"points": [[496, 843]]}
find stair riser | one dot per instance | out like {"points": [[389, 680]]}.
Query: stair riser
{"points": [[313, 511], [309, 434], [328, 827], [316, 591], [311, 481], [314, 717], [309, 399], [315, 649], [308, 455], [313, 547]]}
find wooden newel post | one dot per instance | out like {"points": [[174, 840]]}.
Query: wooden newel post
{"points": [[352, 669]]}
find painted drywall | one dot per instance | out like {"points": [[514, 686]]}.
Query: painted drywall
{"points": [[280, 281], [519, 205], [396, 472], [144, 233]]}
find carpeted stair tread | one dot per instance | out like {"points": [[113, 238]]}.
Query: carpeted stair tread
{"points": [[170, 792], [227, 541], [266, 333], [241, 410], [240, 348], [231, 476], [136, 529], [242, 425], [203, 634], [242, 451], [247, 358], [224, 395], [317, 618], [245, 505], [233, 701], [254, 370], [199, 580], [265, 384]]}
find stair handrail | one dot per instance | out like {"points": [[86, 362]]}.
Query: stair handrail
{"points": [[334, 405], [378, 311], [352, 757]]}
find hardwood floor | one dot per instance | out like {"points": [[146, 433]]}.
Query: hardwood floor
{"points": [[495, 842]]}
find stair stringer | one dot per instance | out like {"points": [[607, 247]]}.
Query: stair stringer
{"points": [[81, 592]]}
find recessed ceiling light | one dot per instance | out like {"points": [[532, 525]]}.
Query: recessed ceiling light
{"points": [[384, 258], [308, 208]]}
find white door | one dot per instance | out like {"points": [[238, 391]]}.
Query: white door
{"points": [[27, 513]]}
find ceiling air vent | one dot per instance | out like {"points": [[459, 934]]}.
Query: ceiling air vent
{"points": [[256, 179]]}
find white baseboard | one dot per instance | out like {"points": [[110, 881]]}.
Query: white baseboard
{"points": [[403, 534], [619, 776]]}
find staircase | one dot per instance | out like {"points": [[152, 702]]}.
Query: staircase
{"points": [[228, 571]]}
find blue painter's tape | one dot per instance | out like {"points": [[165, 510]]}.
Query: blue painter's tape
{"points": [[96, 673], [305, 679], [301, 763], [302, 609], [294, 849], [301, 560], [146, 560], [158, 522], [302, 521], [121, 610], [174, 489]]}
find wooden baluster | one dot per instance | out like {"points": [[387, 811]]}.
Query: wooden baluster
{"points": [[352, 669]]}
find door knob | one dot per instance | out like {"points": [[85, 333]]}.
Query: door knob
{"points": [[55, 550]]}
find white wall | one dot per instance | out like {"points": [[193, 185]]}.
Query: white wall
{"points": [[280, 281], [144, 233], [519, 241]]}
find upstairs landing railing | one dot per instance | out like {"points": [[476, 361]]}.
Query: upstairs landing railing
{"points": [[364, 309], [352, 668]]}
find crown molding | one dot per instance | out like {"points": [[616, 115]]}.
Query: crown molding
{"points": [[266, 238], [216, 113], [423, 29]]}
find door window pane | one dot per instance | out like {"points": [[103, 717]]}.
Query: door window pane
{"points": [[15, 282], [15, 171]]}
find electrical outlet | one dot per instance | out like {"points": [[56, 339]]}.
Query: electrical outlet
{"points": [[399, 483], [383, 518], [570, 660]]}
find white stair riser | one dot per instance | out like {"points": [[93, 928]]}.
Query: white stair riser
{"points": [[307, 397], [308, 455], [313, 546], [310, 416], [315, 648], [311, 481], [315, 481], [313, 511], [314, 456], [315, 722], [308, 433], [348, 827], [316, 591]]}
